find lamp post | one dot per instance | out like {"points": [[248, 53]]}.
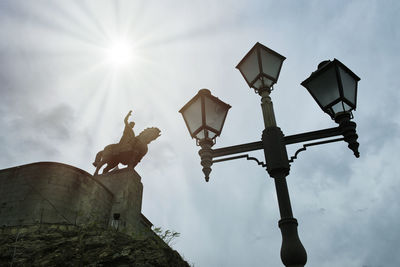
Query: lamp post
{"points": [[332, 85]]}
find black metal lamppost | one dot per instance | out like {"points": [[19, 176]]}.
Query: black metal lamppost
{"points": [[334, 88]]}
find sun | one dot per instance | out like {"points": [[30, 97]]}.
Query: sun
{"points": [[119, 53]]}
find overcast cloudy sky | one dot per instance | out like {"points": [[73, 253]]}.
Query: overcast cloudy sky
{"points": [[63, 100]]}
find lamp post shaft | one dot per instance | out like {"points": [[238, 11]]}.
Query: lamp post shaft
{"points": [[285, 208], [293, 253], [267, 109]]}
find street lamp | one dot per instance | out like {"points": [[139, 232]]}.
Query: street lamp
{"points": [[334, 88], [260, 67], [332, 85], [204, 116]]}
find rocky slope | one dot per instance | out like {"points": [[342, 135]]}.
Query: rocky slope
{"points": [[61, 245]]}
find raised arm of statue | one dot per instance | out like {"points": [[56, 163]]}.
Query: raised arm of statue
{"points": [[126, 117]]}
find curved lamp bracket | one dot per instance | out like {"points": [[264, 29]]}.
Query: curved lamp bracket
{"points": [[313, 144], [262, 164]]}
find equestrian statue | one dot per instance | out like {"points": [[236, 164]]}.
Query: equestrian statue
{"points": [[130, 149]]}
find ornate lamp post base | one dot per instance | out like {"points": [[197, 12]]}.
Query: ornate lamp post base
{"points": [[293, 253]]}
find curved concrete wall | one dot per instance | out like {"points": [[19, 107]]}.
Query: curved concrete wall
{"points": [[49, 192]]}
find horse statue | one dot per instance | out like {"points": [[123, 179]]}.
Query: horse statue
{"points": [[127, 154]]}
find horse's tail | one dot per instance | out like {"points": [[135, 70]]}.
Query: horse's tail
{"points": [[98, 158]]}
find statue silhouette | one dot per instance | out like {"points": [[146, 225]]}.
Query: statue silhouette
{"points": [[130, 149]]}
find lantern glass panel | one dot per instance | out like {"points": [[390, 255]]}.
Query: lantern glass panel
{"points": [[349, 86], [258, 84], [271, 64], [202, 134], [324, 87], [211, 134], [249, 67], [215, 114], [268, 82], [340, 107], [192, 116]]}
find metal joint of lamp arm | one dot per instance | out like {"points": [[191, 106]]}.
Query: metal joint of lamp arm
{"points": [[275, 151], [207, 154], [348, 130]]}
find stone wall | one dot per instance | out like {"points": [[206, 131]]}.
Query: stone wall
{"points": [[49, 192]]}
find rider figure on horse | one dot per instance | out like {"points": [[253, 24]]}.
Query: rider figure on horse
{"points": [[128, 136]]}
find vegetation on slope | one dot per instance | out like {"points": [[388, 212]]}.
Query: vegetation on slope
{"points": [[62, 245]]}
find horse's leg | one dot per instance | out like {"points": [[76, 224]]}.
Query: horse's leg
{"points": [[132, 164], [98, 167], [136, 158], [132, 161], [98, 158], [109, 166]]}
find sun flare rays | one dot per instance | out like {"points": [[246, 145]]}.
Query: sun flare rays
{"points": [[119, 54]]}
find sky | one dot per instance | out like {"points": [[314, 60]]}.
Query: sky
{"points": [[62, 99]]}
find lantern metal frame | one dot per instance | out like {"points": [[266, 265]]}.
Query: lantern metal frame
{"points": [[258, 47], [324, 67], [202, 95]]}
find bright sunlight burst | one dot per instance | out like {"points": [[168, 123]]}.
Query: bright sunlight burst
{"points": [[119, 54]]}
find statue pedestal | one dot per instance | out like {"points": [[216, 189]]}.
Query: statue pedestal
{"points": [[127, 191], [56, 193]]}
